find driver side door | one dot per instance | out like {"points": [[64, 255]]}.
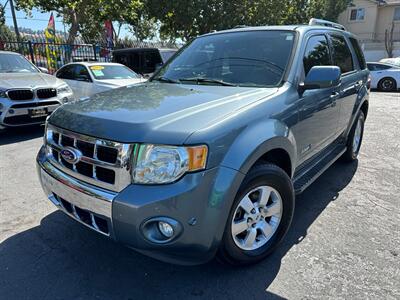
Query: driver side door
{"points": [[318, 109]]}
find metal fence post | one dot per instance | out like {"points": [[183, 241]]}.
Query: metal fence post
{"points": [[94, 51], [31, 52]]}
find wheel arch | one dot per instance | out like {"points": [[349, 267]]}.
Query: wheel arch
{"points": [[270, 141]]}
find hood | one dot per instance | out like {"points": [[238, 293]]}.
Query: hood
{"points": [[120, 82], [154, 112], [28, 80]]}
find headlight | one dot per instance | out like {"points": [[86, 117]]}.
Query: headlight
{"points": [[3, 94], [64, 89], [165, 164]]}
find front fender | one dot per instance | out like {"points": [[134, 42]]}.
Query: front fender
{"points": [[258, 139]]}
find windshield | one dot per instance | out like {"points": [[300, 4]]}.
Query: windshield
{"points": [[248, 58], [13, 63], [105, 72]]}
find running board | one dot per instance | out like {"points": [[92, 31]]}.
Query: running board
{"points": [[307, 178]]}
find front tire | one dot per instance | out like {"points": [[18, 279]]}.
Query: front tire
{"points": [[354, 140], [260, 216], [387, 84]]}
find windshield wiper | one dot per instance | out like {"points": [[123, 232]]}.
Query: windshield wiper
{"points": [[207, 80], [166, 79]]}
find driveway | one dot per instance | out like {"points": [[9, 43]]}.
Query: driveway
{"points": [[344, 241]]}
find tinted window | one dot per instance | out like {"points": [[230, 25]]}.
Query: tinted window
{"points": [[80, 72], [66, 72], [359, 53], [378, 67], [317, 53], [251, 58], [150, 60], [341, 54]]}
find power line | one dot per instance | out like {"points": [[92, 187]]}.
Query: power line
{"points": [[33, 19]]}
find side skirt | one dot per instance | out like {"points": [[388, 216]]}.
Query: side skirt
{"points": [[309, 173]]}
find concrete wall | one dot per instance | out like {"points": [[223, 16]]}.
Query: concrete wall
{"points": [[376, 51], [385, 19]]}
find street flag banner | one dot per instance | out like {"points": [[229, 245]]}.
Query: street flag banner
{"points": [[109, 33], [50, 34]]}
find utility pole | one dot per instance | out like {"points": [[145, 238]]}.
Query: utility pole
{"points": [[14, 20]]}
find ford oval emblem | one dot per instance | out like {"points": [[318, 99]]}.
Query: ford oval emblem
{"points": [[71, 155]]}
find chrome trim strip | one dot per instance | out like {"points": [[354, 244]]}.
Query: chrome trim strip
{"points": [[76, 218]]}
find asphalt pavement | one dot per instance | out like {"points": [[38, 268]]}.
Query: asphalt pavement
{"points": [[344, 242]]}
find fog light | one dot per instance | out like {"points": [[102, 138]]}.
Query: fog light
{"points": [[166, 229]]}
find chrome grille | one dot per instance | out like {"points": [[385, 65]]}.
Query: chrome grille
{"points": [[103, 163]]}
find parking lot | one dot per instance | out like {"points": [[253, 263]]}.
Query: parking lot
{"points": [[344, 241]]}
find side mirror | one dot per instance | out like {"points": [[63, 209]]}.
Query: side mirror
{"points": [[321, 77], [43, 70]]}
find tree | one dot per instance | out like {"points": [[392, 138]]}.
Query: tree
{"points": [[389, 42], [86, 16], [187, 19]]}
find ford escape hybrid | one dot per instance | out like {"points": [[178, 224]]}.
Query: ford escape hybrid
{"points": [[205, 159]]}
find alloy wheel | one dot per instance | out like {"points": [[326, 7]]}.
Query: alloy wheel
{"points": [[257, 218]]}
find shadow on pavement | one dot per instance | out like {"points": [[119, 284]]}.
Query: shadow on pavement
{"points": [[20, 134], [60, 259]]}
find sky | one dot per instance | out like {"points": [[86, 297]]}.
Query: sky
{"points": [[39, 20]]}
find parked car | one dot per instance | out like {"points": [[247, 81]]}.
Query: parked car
{"points": [[143, 60], [206, 157], [385, 77], [392, 61], [89, 78], [27, 95]]}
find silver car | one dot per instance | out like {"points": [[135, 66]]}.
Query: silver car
{"points": [[27, 95]]}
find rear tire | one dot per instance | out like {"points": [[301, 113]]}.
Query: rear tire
{"points": [[260, 216], [387, 84], [354, 139]]}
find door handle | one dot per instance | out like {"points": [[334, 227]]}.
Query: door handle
{"points": [[335, 95]]}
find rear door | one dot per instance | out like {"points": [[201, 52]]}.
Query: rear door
{"points": [[351, 80]]}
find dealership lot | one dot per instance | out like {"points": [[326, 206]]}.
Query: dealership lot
{"points": [[344, 241]]}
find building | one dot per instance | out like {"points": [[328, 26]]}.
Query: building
{"points": [[369, 20]]}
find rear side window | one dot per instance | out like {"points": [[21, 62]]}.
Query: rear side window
{"points": [[359, 53], [378, 67], [317, 53], [341, 54]]}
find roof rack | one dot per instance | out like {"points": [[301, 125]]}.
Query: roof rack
{"points": [[321, 22]]}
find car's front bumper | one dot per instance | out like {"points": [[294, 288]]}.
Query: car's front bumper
{"points": [[199, 202], [16, 113]]}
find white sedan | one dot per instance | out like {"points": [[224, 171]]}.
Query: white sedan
{"points": [[89, 78], [384, 77]]}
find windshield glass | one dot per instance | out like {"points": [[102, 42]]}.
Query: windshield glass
{"points": [[248, 58], [105, 72], [12, 63]]}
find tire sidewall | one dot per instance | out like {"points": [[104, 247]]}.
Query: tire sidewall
{"points": [[261, 175], [382, 88], [354, 153]]}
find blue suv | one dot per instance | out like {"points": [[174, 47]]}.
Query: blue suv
{"points": [[205, 159]]}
